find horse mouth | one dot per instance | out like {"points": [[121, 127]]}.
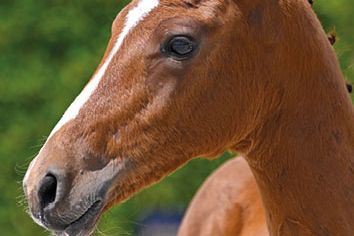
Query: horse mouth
{"points": [[85, 224]]}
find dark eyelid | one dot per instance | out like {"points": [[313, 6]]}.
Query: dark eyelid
{"points": [[189, 36]]}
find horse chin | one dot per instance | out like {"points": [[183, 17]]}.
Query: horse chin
{"points": [[86, 224]]}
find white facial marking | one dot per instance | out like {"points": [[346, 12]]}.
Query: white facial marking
{"points": [[29, 170], [38, 222], [134, 16]]}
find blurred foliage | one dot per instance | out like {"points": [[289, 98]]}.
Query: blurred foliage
{"points": [[48, 50]]}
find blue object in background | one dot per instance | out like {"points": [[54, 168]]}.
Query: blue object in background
{"points": [[159, 223]]}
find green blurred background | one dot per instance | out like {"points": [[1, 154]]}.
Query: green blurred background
{"points": [[48, 51]]}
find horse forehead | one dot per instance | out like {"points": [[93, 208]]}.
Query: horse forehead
{"points": [[136, 13]]}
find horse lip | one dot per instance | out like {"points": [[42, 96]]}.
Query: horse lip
{"points": [[86, 222]]}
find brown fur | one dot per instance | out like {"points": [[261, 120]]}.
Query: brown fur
{"points": [[268, 63], [227, 204]]}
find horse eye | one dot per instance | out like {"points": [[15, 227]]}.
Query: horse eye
{"points": [[179, 48]]}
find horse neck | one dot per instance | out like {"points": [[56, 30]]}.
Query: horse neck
{"points": [[302, 154], [306, 179]]}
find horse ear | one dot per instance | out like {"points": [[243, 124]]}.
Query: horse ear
{"points": [[332, 36], [349, 87]]}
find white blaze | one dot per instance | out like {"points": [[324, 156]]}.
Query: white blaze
{"points": [[135, 15]]}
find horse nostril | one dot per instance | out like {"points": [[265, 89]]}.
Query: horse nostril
{"points": [[48, 190]]}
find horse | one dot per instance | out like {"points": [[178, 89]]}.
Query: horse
{"points": [[232, 207], [187, 78]]}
